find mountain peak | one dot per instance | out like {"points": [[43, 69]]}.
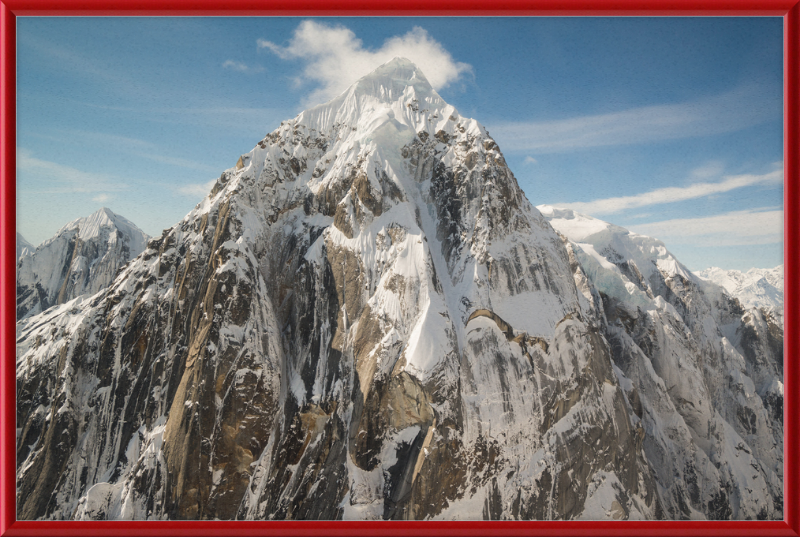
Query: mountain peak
{"points": [[23, 245], [396, 89], [603, 245], [82, 258], [400, 70], [102, 216], [89, 227], [577, 226], [394, 80]]}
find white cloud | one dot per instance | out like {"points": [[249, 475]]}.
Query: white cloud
{"points": [[335, 57], [200, 190], [58, 178], [727, 112], [530, 160], [234, 119], [177, 161], [101, 198], [105, 138], [241, 67], [115, 76], [708, 170], [673, 194], [735, 228], [133, 146], [236, 66]]}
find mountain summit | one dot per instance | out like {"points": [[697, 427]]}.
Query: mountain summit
{"points": [[82, 258], [396, 88], [23, 246], [367, 319]]}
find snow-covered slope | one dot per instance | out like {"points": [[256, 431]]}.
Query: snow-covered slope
{"points": [[364, 319], [707, 374], [756, 288], [23, 246], [82, 258]]}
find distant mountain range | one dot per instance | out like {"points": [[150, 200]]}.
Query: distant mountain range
{"points": [[756, 288]]}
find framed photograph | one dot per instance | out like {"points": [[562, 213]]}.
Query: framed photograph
{"points": [[348, 269]]}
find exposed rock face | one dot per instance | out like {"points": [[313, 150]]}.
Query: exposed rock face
{"points": [[367, 319], [705, 373], [82, 258]]}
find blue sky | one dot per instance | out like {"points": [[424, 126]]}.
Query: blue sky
{"points": [[671, 127]]}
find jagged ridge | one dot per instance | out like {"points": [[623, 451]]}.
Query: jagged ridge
{"points": [[756, 288], [82, 258]]}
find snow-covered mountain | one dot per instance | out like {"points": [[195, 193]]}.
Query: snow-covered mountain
{"points": [[82, 258], [756, 288], [23, 246], [367, 319], [707, 373]]}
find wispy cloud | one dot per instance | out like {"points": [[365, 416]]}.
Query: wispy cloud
{"points": [[335, 58], [61, 57], [241, 67], [197, 190], [236, 118], [727, 112], [673, 194], [104, 138], [710, 169], [177, 161], [735, 228], [132, 146], [123, 82], [236, 66], [529, 160], [58, 178], [101, 198]]}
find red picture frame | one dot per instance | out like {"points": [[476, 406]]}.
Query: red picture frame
{"points": [[10, 9]]}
